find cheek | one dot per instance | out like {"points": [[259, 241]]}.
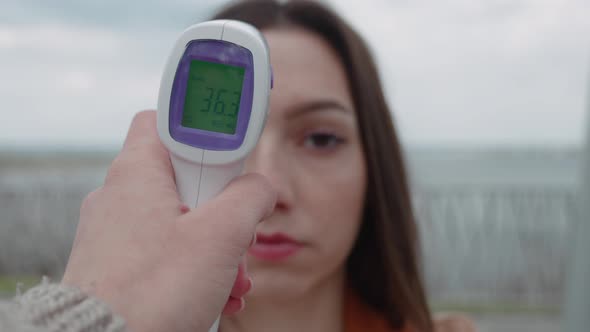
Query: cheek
{"points": [[333, 199]]}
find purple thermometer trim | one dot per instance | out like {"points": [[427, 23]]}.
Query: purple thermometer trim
{"points": [[217, 51], [272, 78]]}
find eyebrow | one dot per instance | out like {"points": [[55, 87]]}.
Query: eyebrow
{"points": [[316, 106]]}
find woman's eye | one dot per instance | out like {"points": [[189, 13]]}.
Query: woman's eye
{"points": [[322, 141]]}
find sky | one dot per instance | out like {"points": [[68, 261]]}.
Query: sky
{"points": [[455, 72]]}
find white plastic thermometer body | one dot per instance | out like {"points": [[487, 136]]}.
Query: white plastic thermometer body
{"points": [[212, 105]]}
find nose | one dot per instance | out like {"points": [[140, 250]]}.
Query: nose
{"points": [[270, 158]]}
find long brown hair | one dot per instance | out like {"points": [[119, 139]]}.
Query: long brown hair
{"points": [[384, 266]]}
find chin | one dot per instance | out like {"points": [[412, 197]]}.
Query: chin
{"points": [[277, 285]]}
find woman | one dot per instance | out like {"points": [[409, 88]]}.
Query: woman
{"points": [[340, 252]]}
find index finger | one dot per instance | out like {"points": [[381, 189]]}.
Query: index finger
{"points": [[142, 152], [143, 134]]}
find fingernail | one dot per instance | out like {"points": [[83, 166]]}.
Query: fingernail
{"points": [[271, 210], [250, 284], [184, 208], [253, 242], [242, 304]]}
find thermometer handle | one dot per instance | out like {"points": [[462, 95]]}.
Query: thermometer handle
{"points": [[198, 183], [215, 327]]}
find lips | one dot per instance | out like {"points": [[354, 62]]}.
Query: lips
{"points": [[274, 247]]}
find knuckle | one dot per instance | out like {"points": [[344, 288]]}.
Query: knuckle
{"points": [[117, 169], [91, 200], [142, 130], [127, 163], [144, 116], [261, 189], [141, 121]]}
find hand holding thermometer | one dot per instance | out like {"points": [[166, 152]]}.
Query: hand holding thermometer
{"points": [[212, 105]]}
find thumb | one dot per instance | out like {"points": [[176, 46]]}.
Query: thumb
{"points": [[231, 217]]}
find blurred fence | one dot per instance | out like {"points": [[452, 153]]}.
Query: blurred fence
{"points": [[38, 216], [496, 245], [494, 237]]}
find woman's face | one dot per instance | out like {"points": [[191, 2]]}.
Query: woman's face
{"points": [[311, 152]]}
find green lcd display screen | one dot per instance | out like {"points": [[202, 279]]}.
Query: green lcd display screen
{"points": [[213, 94]]}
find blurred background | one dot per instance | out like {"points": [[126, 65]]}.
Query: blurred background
{"points": [[489, 97]]}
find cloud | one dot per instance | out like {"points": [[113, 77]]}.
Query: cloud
{"points": [[72, 85], [113, 14], [455, 71], [482, 72], [59, 40]]}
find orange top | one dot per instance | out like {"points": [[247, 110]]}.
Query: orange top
{"points": [[359, 317]]}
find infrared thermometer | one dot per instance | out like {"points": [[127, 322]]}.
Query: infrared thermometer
{"points": [[212, 105]]}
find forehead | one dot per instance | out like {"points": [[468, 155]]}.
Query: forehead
{"points": [[305, 67]]}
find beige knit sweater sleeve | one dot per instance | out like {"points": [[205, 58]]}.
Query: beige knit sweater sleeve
{"points": [[52, 308]]}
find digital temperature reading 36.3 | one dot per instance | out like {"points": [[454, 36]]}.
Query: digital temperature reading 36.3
{"points": [[213, 95]]}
